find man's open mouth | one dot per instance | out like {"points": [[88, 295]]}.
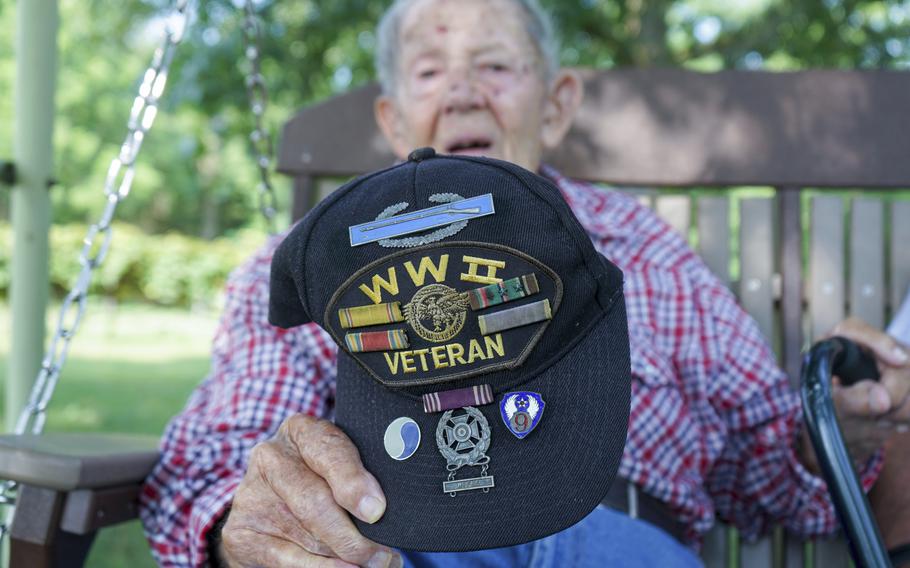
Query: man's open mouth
{"points": [[469, 145]]}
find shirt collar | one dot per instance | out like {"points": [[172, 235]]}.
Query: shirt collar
{"points": [[602, 212]]}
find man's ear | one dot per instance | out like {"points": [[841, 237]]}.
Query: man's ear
{"points": [[392, 125], [563, 101]]}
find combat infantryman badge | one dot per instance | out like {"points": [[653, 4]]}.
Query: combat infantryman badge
{"points": [[521, 411], [453, 215]]}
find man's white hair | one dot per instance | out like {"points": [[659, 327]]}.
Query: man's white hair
{"points": [[537, 23]]}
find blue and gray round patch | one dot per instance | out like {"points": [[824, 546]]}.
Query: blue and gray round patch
{"points": [[402, 437]]}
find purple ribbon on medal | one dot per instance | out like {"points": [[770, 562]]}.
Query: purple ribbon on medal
{"points": [[458, 398]]}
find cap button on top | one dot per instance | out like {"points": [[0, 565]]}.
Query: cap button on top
{"points": [[421, 154]]}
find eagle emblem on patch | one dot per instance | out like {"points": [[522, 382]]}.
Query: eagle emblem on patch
{"points": [[437, 312]]}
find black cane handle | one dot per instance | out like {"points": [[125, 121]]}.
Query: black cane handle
{"points": [[853, 363]]}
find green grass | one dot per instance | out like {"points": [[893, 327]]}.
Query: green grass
{"points": [[129, 370]]}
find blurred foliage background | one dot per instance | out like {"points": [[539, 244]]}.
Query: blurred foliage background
{"points": [[195, 176]]}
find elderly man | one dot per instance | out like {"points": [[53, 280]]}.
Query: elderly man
{"points": [[254, 473]]}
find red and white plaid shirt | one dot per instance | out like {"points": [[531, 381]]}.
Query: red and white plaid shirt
{"points": [[712, 432]]}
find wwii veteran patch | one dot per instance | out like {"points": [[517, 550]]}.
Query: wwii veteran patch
{"points": [[460, 309], [464, 298]]}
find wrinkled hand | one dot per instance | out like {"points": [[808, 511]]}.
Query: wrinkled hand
{"points": [[871, 411], [290, 508]]}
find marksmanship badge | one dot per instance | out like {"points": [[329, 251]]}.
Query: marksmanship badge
{"points": [[521, 411], [463, 440]]}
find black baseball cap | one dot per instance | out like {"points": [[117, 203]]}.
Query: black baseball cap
{"points": [[483, 362]]}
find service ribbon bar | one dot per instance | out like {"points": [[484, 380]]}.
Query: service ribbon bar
{"points": [[458, 398], [502, 292], [515, 317], [376, 314], [376, 341]]}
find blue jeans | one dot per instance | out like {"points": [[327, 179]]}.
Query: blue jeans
{"points": [[603, 538]]}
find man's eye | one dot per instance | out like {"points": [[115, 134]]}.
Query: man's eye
{"points": [[495, 67], [427, 73]]}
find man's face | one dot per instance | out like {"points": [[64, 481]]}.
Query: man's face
{"points": [[469, 81]]}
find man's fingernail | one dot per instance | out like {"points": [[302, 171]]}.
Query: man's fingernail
{"points": [[371, 509], [397, 562], [880, 402], [382, 559], [900, 354], [902, 428]]}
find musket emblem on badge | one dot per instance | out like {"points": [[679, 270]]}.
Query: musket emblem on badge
{"points": [[463, 440], [451, 217]]}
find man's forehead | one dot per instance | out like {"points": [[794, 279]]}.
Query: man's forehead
{"points": [[437, 19], [489, 46]]}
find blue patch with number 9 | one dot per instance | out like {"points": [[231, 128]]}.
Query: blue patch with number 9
{"points": [[521, 411]]}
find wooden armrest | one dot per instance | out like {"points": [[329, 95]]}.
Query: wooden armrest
{"points": [[71, 485], [64, 462]]}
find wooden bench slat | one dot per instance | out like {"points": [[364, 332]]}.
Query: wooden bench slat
{"points": [[827, 308], [900, 252], [867, 261], [326, 186], [714, 235], [826, 264], [644, 196], [830, 553], [715, 550], [792, 280], [756, 253], [675, 210], [757, 554], [794, 552]]}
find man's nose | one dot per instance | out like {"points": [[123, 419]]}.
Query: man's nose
{"points": [[463, 92]]}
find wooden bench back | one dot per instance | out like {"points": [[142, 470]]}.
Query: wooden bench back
{"points": [[804, 137]]}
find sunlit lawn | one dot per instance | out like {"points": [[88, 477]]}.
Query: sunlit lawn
{"points": [[130, 369]]}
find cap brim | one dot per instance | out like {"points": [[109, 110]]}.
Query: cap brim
{"points": [[544, 483]]}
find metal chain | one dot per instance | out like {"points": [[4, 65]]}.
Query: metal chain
{"points": [[118, 182], [97, 241], [260, 138]]}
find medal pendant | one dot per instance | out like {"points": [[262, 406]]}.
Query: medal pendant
{"points": [[463, 440]]}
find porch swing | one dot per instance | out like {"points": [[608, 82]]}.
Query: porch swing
{"points": [[636, 128]]}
